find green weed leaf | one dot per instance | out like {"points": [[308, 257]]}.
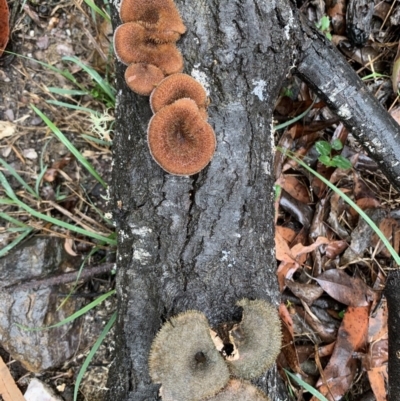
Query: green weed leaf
{"points": [[323, 148], [341, 162], [337, 144]]}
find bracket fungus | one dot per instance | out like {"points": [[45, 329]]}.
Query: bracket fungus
{"points": [[184, 360], [239, 390], [180, 141], [160, 17], [132, 44], [256, 339], [143, 78], [177, 86]]}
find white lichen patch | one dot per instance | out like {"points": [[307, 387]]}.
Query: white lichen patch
{"points": [[201, 77], [225, 255], [344, 111], [266, 167], [141, 231], [259, 87], [288, 26], [141, 254], [117, 4]]}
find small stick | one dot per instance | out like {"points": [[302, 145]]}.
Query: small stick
{"points": [[63, 278]]}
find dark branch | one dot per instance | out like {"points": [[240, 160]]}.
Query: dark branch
{"points": [[324, 69]]}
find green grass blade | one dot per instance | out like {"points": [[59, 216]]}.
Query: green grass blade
{"points": [[15, 242], [45, 217], [71, 106], [6, 201], [306, 386], [94, 349], [293, 120], [64, 73], [369, 221], [12, 171], [74, 316], [98, 10], [106, 87], [67, 92], [97, 140], [18, 223], [70, 146]]}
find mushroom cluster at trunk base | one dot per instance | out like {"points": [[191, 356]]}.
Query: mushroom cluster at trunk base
{"points": [[146, 42], [185, 356]]}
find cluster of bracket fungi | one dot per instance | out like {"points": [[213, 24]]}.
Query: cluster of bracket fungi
{"points": [[191, 363], [179, 137]]}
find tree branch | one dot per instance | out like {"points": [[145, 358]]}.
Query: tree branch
{"points": [[324, 69]]}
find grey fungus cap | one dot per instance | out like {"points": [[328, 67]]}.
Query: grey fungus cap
{"points": [[184, 360], [256, 339], [239, 390]]}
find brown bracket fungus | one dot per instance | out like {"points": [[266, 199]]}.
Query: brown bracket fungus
{"points": [[160, 17], [256, 339], [184, 360], [132, 44], [180, 141], [178, 86], [239, 390], [143, 78]]}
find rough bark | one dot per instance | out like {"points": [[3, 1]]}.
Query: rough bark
{"points": [[326, 71], [206, 241]]}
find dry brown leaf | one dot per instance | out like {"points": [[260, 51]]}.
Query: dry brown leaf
{"points": [[335, 248], [345, 289], [306, 292], [68, 244], [283, 252], [295, 188], [342, 367], [301, 250], [6, 128], [8, 389], [378, 328], [287, 233], [289, 264], [390, 228], [378, 378]]}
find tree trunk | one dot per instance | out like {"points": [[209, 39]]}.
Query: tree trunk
{"points": [[206, 241]]}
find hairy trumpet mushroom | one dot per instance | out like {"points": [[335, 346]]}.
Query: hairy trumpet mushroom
{"points": [[256, 339], [160, 17], [132, 44], [180, 141], [143, 78], [184, 360], [177, 86], [239, 390]]}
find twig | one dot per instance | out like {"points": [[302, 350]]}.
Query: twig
{"points": [[63, 278]]}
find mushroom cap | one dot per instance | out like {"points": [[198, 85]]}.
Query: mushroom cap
{"points": [[180, 141], [143, 78], [177, 86], [133, 45], [239, 390], [184, 360], [257, 339], [161, 17]]}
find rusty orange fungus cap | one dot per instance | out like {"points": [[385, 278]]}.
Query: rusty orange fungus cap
{"points": [[178, 86], [143, 78], [180, 141], [161, 17], [133, 45]]}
